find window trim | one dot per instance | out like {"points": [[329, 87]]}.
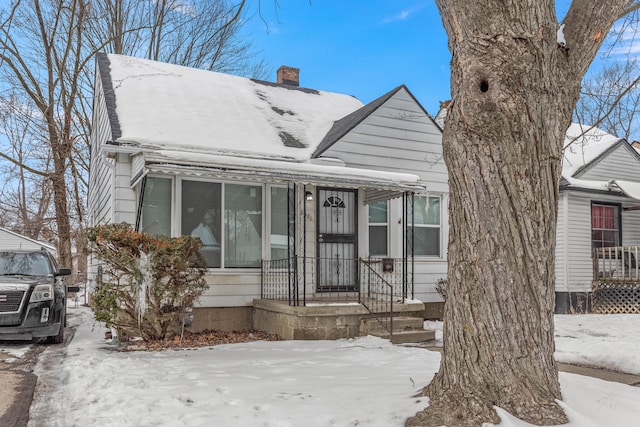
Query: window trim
{"points": [[379, 224], [618, 220], [176, 182], [439, 226]]}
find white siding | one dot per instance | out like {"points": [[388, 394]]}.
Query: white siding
{"points": [[630, 228], [562, 235], [400, 137], [397, 137], [621, 163], [573, 252], [11, 240], [100, 173], [579, 266], [124, 209], [231, 289]]}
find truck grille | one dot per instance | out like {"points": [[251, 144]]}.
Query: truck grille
{"points": [[10, 301]]}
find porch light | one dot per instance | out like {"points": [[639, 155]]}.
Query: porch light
{"points": [[308, 195]]}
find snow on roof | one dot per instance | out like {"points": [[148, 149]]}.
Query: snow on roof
{"points": [[582, 145], [165, 106]]}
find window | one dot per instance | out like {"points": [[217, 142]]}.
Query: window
{"points": [[226, 217], [426, 230], [378, 225], [279, 215], [156, 207], [201, 217], [243, 225], [605, 225]]}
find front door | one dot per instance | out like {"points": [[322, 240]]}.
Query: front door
{"points": [[337, 240]]}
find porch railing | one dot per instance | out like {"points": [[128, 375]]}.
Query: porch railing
{"points": [[616, 264], [616, 280], [376, 293], [302, 280]]}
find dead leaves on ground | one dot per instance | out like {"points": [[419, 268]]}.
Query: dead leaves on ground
{"points": [[191, 340]]}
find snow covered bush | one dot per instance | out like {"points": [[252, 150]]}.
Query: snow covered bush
{"points": [[148, 283]]}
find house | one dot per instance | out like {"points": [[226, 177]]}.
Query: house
{"points": [[301, 197], [598, 215], [12, 240]]}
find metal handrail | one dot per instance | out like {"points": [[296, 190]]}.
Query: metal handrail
{"points": [[379, 295], [286, 280]]}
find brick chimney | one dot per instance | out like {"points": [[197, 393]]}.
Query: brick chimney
{"points": [[288, 76]]}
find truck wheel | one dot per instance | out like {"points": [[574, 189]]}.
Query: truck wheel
{"points": [[58, 339]]}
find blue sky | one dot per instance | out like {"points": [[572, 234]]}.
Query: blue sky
{"points": [[363, 48]]}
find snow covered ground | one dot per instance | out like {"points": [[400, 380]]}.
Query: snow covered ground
{"points": [[364, 381]]}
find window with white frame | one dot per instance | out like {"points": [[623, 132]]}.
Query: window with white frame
{"points": [[605, 225], [279, 215], [155, 217], [378, 228], [201, 216], [243, 225], [227, 217], [424, 236]]}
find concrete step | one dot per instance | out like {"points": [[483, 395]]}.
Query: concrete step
{"points": [[373, 326], [405, 329], [405, 337]]}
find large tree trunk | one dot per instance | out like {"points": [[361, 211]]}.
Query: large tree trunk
{"points": [[513, 91]]}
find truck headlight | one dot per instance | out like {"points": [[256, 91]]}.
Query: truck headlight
{"points": [[42, 293]]}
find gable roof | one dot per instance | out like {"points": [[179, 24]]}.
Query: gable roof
{"points": [[341, 127], [349, 122], [12, 240], [154, 105], [180, 120], [585, 148]]}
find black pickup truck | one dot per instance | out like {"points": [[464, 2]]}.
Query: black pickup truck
{"points": [[33, 296]]}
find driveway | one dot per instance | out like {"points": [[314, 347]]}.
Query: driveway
{"points": [[17, 379]]}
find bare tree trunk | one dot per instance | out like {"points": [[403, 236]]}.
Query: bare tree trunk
{"points": [[514, 88]]}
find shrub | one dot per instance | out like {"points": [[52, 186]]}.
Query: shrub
{"points": [[149, 283], [441, 287]]}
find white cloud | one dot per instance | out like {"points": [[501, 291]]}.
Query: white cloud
{"points": [[403, 15]]}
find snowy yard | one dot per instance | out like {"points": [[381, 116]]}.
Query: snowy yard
{"points": [[365, 381]]}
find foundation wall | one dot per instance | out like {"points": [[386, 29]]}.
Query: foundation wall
{"points": [[323, 322], [222, 319]]}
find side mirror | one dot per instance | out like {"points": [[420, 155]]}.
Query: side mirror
{"points": [[63, 272]]}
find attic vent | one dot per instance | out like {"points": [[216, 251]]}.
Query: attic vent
{"points": [[289, 141]]}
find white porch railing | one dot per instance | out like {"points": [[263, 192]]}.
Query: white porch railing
{"points": [[616, 264]]}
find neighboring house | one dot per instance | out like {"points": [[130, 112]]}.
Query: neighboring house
{"points": [[599, 207], [11, 240], [297, 194]]}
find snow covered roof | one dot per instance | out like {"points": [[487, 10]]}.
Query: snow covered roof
{"points": [[12, 240], [190, 121], [585, 146], [165, 106]]}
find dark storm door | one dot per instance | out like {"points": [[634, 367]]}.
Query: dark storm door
{"points": [[337, 240]]}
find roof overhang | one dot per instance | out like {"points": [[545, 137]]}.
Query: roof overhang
{"points": [[378, 185], [626, 191]]}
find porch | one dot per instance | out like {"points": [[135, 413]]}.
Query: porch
{"points": [[330, 298], [616, 280]]}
